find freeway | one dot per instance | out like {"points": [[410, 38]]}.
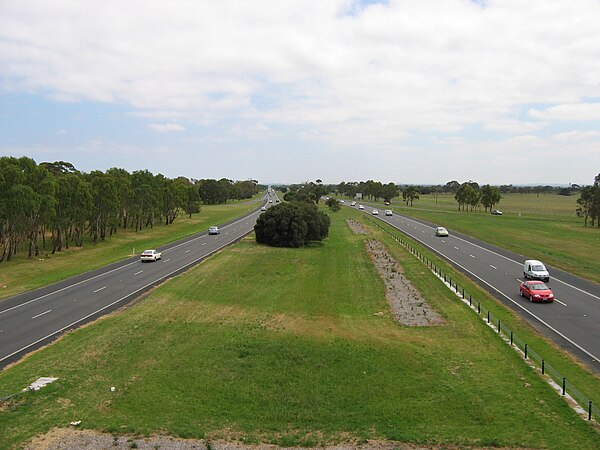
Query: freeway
{"points": [[35, 318], [572, 320]]}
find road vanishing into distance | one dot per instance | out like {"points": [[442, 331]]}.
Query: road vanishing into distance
{"points": [[32, 319], [572, 320]]}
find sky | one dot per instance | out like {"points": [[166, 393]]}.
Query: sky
{"points": [[284, 91]]}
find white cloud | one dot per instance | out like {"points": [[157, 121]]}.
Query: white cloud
{"points": [[569, 112], [165, 127], [330, 71]]}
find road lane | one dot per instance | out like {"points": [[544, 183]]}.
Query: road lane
{"points": [[573, 321], [32, 319]]}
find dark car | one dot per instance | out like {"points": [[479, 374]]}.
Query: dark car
{"points": [[536, 291]]}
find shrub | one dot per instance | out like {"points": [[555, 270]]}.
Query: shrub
{"points": [[291, 225]]}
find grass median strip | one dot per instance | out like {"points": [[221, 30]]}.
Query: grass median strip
{"points": [[280, 345]]}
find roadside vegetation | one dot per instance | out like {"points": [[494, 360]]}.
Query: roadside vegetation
{"points": [[287, 346], [24, 274]]}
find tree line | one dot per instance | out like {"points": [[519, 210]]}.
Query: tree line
{"points": [[55, 201], [588, 203]]}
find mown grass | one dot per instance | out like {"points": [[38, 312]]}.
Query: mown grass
{"points": [[22, 274], [280, 345], [543, 227]]}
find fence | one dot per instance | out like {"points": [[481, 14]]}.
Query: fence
{"points": [[561, 383]]}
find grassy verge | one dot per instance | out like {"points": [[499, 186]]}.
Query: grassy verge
{"points": [[281, 346], [23, 274], [543, 227]]}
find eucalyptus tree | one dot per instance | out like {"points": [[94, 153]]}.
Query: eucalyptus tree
{"points": [[104, 213], [409, 194], [490, 196]]}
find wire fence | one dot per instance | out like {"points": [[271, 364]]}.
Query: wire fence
{"points": [[586, 405]]}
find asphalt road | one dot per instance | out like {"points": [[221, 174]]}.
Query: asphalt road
{"points": [[33, 319], [572, 320]]}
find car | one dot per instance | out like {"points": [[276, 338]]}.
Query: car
{"points": [[353, 204], [342, 201], [536, 291], [441, 231], [386, 203], [276, 200], [361, 207], [535, 270], [214, 230], [375, 212], [264, 208], [150, 255], [271, 201], [496, 212], [388, 212]]}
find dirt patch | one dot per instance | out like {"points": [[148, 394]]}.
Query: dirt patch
{"points": [[406, 303], [357, 227], [70, 439]]}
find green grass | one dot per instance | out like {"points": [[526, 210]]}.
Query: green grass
{"points": [[281, 346], [543, 227], [22, 274]]}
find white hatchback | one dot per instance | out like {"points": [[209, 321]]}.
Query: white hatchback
{"points": [[441, 231]]}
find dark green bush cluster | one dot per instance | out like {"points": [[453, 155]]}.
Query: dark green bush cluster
{"points": [[291, 225]]}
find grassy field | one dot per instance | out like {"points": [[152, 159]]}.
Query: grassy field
{"points": [[22, 274], [543, 227], [281, 345]]}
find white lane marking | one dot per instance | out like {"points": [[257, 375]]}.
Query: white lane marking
{"points": [[25, 347], [204, 243], [557, 300], [493, 267], [443, 241], [455, 248], [167, 260], [187, 251], [520, 263], [137, 273], [543, 322], [35, 317], [98, 290], [472, 256]]}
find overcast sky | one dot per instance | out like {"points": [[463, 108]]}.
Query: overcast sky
{"points": [[410, 91]]}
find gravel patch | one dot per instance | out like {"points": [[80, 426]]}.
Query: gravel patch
{"points": [[357, 227], [406, 303]]}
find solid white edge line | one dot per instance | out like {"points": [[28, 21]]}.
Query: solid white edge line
{"points": [[513, 261], [119, 300], [595, 358], [106, 273]]}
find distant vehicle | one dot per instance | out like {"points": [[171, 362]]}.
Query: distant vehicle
{"points": [[441, 231], [341, 201], [353, 204], [536, 291], [386, 203], [375, 212], [214, 230], [361, 207], [150, 255], [276, 200], [388, 212], [535, 270], [264, 208], [496, 212], [270, 201]]}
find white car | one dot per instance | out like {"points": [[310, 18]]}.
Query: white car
{"points": [[341, 201], [441, 231], [270, 201], [353, 204], [375, 212], [388, 212], [150, 255], [361, 207], [214, 230], [264, 208]]}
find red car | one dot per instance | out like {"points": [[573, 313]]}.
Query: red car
{"points": [[536, 291]]}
